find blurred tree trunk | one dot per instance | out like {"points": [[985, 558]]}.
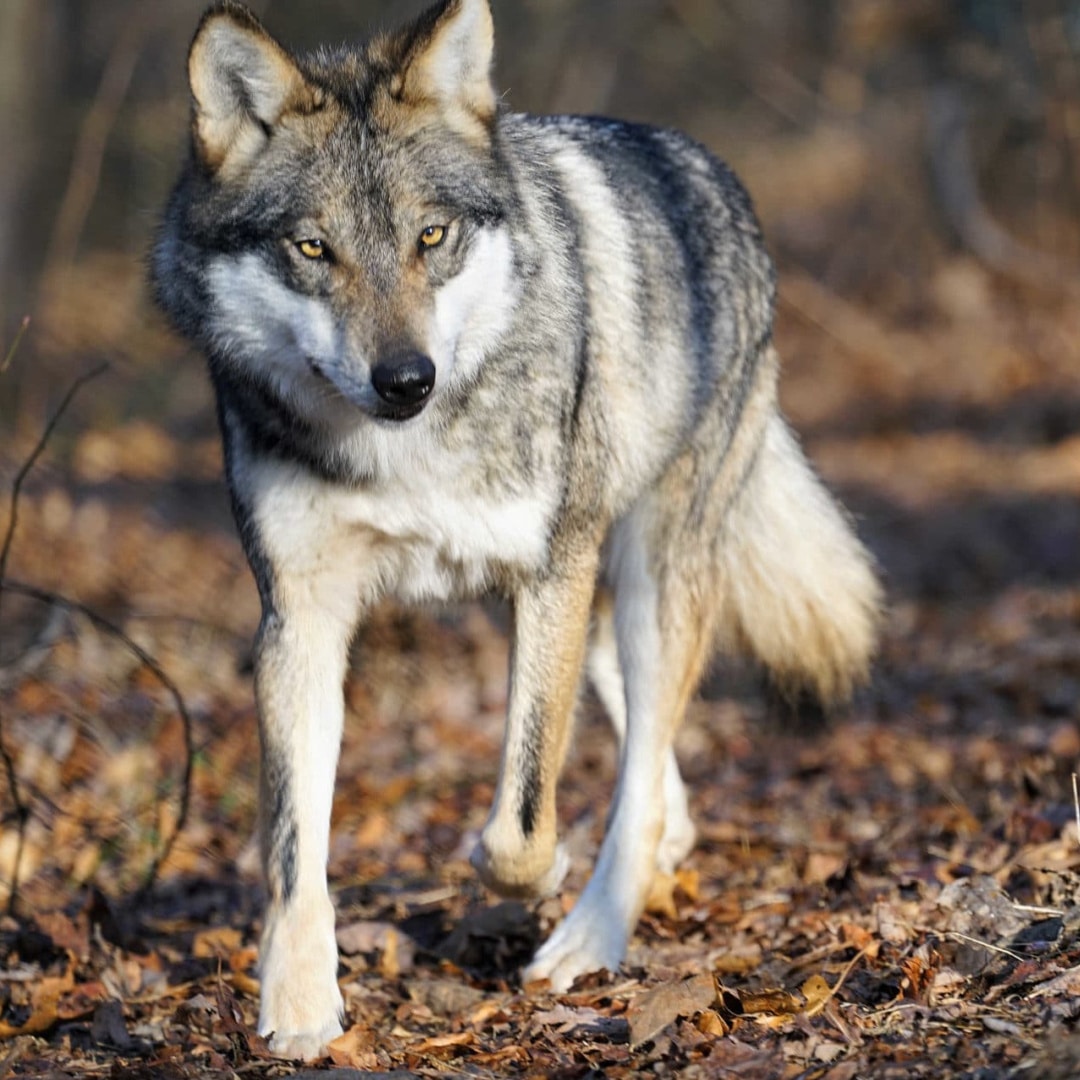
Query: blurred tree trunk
{"points": [[23, 81]]}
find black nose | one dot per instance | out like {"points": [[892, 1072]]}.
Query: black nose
{"points": [[404, 379]]}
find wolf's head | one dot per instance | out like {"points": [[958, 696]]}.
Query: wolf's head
{"points": [[340, 234]]}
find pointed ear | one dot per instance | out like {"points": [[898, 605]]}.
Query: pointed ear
{"points": [[242, 83], [449, 61]]}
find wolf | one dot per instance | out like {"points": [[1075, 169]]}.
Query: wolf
{"points": [[457, 350]]}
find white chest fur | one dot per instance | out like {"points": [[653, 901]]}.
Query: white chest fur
{"points": [[433, 536]]}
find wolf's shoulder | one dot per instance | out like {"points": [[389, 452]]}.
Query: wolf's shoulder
{"points": [[655, 162]]}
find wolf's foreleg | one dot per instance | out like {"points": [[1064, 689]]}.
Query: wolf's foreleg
{"points": [[661, 650], [517, 854], [300, 666]]}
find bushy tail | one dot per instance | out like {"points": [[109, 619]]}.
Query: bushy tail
{"points": [[800, 589]]}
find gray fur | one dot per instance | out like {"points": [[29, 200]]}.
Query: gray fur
{"points": [[602, 431]]}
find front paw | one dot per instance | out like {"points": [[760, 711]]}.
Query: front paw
{"points": [[304, 1045], [300, 1017], [588, 939], [520, 875], [300, 1003]]}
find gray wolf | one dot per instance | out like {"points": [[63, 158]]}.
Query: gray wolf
{"points": [[459, 350]]}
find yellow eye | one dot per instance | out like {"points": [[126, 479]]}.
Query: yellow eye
{"points": [[311, 249], [433, 236]]}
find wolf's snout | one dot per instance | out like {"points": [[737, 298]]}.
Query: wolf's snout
{"points": [[405, 380]]}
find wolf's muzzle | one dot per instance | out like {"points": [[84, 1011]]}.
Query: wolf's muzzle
{"points": [[404, 382]]}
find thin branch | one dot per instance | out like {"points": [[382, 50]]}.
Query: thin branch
{"points": [[818, 1006], [28, 464], [22, 812], [23, 327], [46, 596]]}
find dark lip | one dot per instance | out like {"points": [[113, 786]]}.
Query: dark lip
{"points": [[393, 414], [396, 414]]}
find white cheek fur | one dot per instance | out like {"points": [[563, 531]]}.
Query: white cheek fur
{"points": [[474, 308]]}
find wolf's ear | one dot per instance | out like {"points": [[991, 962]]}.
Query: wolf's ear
{"points": [[242, 82], [448, 61]]}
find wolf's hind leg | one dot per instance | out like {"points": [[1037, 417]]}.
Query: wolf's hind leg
{"points": [[605, 674], [662, 647]]}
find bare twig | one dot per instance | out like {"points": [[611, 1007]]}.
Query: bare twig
{"points": [[955, 182], [28, 464], [46, 596], [984, 945], [21, 810], [820, 1005], [23, 327]]}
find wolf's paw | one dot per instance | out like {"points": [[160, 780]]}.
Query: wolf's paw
{"points": [[300, 1006], [581, 944], [304, 1045], [517, 878]]}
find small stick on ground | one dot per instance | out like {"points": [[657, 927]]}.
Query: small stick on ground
{"points": [[46, 596]]}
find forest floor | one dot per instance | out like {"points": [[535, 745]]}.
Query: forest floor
{"points": [[890, 891]]}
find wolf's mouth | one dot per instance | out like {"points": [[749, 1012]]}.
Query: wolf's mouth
{"points": [[377, 408], [397, 413]]}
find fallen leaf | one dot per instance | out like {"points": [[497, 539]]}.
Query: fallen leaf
{"points": [[816, 991], [109, 1027], [652, 1011], [712, 1023], [244, 983], [44, 1007], [219, 941], [661, 900], [81, 1001], [769, 1002], [354, 1049]]}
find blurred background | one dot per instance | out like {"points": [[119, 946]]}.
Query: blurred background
{"points": [[916, 165], [919, 159]]}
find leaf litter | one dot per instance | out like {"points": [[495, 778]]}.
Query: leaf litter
{"points": [[892, 891]]}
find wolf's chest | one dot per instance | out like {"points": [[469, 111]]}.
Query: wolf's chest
{"points": [[432, 537], [439, 544]]}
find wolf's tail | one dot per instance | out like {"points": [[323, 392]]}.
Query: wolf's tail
{"points": [[800, 591]]}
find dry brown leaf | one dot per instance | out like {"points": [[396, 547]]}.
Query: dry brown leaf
{"points": [[389, 966], [218, 941], [712, 1023], [688, 882], [822, 865], [816, 991], [81, 1001], [44, 1001], [453, 1041], [355, 1049], [661, 899], [652, 1011], [244, 983], [243, 959], [777, 1002]]}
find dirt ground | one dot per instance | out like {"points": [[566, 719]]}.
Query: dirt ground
{"points": [[892, 890], [889, 891]]}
